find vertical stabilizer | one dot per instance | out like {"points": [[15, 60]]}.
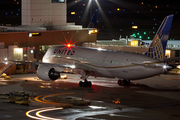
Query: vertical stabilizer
{"points": [[158, 46], [92, 23]]}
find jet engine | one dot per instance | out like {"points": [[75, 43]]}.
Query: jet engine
{"points": [[46, 72]]}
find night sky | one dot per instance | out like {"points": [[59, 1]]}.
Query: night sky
{"points": [[146, 14], [113, 17], [10, 12]]}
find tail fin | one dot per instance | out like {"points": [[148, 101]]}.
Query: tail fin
{"points": [[92, 23], [158, 46]]}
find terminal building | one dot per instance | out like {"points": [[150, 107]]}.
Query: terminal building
{"points": [[44, 24], [135, 45]]}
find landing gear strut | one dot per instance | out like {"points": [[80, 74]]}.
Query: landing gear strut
{"points": [[84, 75], [124, 82]]}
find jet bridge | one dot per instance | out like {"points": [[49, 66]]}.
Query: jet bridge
{"points": [[5, 66]]}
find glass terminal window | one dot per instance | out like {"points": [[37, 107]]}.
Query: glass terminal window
{"points": [[58, 1]]}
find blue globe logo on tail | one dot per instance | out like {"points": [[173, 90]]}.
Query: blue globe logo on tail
{"points": [[158, 46]]}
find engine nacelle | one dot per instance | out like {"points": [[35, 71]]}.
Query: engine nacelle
{"points": [[46, 72]]}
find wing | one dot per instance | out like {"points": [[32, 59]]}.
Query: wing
{"points": [[83, 66]]}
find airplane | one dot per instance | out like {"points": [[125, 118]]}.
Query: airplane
{"points": [[125, 66]]}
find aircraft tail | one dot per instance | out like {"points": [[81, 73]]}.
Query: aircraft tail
{"points": [[92, 23], [158, 45]]}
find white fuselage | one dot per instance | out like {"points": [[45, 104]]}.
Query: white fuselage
{"points": [[104, 63]]}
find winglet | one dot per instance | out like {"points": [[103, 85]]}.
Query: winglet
{"points": [[158, 46]]}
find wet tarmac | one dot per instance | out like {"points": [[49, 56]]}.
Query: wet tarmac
{"points": [[156, 98]]}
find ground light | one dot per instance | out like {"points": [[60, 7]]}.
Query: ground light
{"points": [[41, 110]]}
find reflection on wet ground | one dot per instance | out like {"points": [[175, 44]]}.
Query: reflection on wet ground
{"points": [[156, 98], [6, 82]]}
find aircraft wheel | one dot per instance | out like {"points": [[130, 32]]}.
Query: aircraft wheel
{"points": [[119, 82], [128, 82], [89, 84], [85, 84], [124, 82], [80, 84]]}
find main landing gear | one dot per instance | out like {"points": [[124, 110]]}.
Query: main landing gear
{"points": [[84, 75], [85, 83], [124, 82]]}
